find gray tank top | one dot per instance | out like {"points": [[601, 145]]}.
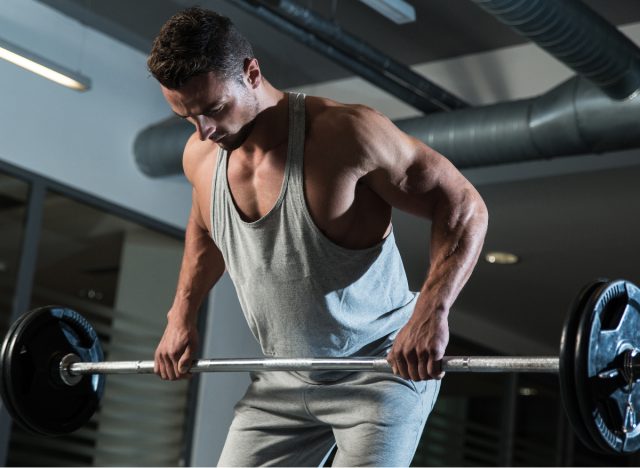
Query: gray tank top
{"points": [[302, 294]]}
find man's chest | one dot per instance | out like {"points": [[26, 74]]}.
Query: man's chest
{"points": [[346, 210]]}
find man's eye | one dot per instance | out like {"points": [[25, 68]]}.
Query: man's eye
{"points": [[214, 111]]}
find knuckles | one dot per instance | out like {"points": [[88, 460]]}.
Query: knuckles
{"points": [[417, 363]]}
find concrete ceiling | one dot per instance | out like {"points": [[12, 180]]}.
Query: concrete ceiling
{"points": [[570, 220]]}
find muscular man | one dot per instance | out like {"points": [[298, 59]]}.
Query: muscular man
{"points": [[292, 195]]}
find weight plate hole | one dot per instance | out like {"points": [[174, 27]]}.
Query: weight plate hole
{"points": [[613, 312]]}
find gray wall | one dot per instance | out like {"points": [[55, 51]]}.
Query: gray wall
{"points": [[83, 139]]}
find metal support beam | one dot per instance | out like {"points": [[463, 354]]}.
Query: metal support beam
{"points": [[29, 256], [509, 414]]}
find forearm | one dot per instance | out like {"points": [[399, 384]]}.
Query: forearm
{"points": [[202, 266], [457, 235]]}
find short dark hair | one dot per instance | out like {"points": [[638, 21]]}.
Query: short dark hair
{"points": [[196, 41]]}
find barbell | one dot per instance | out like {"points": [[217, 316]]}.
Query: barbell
{"points": [[53, 374]]}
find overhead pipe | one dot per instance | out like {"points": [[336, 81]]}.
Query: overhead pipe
{"points": [[338, 37], [350, 52], [158, 148], [577, 36], [574, 118]]}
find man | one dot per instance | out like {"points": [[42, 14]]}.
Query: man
{"points": [[292, 195]]}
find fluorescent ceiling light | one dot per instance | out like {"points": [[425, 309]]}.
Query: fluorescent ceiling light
{"points": [[43, 67], [398, 11]]}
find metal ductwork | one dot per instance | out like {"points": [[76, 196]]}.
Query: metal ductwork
{"points": [[158, 148], [577, 117], [574, 118], [577, 36], [439, 98], [352, 53]]}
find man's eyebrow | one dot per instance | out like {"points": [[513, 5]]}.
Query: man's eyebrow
{"points": [[206, 108]]}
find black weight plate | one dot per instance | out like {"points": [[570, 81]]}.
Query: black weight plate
{"points": [[608, 327], [566, 373], [3, 357], [582, 382], [7, 381], [34, 394]]}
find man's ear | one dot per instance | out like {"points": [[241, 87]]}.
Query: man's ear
{"points": [[252, 73]]}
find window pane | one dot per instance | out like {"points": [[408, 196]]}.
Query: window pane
{"points": [[121, 276], [14, 195]]}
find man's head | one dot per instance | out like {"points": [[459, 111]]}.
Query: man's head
{"points": [[196, 41], [208, 74]]}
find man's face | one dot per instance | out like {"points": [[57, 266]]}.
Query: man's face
{"points": [[221, 110]]}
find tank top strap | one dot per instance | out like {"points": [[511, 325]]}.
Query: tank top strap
{"points": [[296, 143], [218, 194]]}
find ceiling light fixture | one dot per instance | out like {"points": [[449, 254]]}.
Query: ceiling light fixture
{"points": [[501, 258], [528, 391], [398, 11], [43, 67]]}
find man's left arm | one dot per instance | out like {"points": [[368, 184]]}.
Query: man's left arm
{"points": [[415, 178]]}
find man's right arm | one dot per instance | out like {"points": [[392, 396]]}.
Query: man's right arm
{"points": [[202, 266]]}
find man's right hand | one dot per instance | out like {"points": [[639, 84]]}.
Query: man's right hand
{"points": [[177, 348]]}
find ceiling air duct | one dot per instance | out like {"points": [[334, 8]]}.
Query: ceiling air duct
{"points": [[577, 36], [572, 119]]}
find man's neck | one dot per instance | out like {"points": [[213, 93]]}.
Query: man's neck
{"points": [[271, 124]]}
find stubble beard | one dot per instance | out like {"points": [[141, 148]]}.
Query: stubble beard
{"points": [[235, 140]]}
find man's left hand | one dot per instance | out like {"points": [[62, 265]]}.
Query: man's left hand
{"points": [[419, 347]]}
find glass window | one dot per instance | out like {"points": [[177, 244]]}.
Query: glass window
{"points": [[14, 196], [121, 276]]}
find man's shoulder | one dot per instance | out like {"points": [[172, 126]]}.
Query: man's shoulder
{"points": [[342, 122], [329, 115], [196, 154], [355, 128]]}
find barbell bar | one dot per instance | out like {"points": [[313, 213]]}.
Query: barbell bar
{"points": [[52, 372], [69, 368]]}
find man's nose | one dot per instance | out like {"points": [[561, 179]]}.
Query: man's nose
{"points": [[205, 126]]}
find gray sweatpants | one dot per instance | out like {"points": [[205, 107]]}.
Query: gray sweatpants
{"points": [[375, 419]]}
